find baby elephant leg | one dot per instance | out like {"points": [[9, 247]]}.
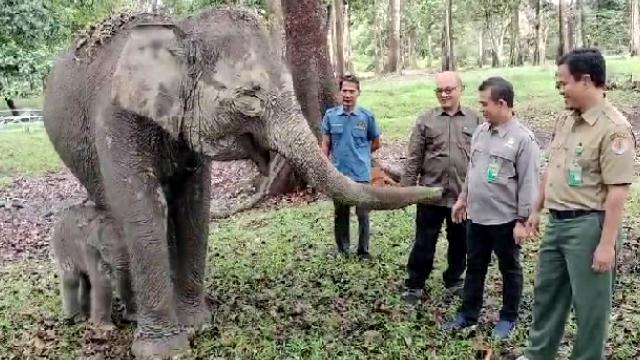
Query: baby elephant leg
{"points": [[100, 289], [125, 291], [70, 290]]}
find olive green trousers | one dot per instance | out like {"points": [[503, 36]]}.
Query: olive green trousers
{"points": [[564, 280]]}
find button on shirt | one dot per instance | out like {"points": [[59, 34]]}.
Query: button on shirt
{"points": [[502, 179], [439, 150], [600, 146], [351, 135]]}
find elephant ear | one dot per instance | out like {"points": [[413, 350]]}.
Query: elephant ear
{"points": [[149, 74]]}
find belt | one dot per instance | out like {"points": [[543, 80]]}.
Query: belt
{"points": [[570, 214]]}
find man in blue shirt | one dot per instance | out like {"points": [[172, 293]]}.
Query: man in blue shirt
{"points": [[349, 136]]}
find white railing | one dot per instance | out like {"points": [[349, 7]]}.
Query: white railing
{"points": [[25, 118]]}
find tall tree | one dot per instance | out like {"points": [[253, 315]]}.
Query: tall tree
{"points": [[563, 36], [537, 28], [339, 37], [448, 55], [314, 84], [515, 58], [634, 8], [578, 25], [393, 58], [276, 27], [497, 15]]}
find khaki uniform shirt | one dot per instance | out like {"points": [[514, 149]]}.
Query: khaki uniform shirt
{"points": [[439, 150], [599, 145], [503, 176]]}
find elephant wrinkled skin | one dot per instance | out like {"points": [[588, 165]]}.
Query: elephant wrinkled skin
{"points": [[137, 117], [89, 253]]}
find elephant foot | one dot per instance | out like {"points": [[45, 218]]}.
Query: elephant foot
{"points": [[194, 317], [160, 346], [74, 319], [129, 317]]}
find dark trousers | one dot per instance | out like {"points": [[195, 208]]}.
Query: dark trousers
{"points": [[481, 241], [341, 227], [429, 219]]}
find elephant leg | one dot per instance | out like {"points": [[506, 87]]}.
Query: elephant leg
{"points": [[70, 291], [137, 201], [84, 294], [191, 203], [100, 290], [125, 291]]}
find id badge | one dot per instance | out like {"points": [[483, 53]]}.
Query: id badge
{"points": [[575, 174], [492, 171]]}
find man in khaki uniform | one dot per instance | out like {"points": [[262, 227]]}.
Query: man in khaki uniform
{"points": [[585, 187], [438, 156]]}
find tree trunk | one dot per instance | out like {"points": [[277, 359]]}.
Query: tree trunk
{"points": [[276, 29], [393, 59], [12, 106], [313, 80], [429, 51], [570, 18], [448, 56], [563, 41], [578, 26], [538, 58], [412, 55], [481, 48], [514, 55], [339, 6], [348, 56], [635, 28]]}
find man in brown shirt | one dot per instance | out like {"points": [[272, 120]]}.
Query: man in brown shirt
{"points": [[585, 187], [438, 155]]}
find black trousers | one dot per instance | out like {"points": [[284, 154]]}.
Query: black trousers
{"points": [[429, 219], [341, 227], [481, 241]]}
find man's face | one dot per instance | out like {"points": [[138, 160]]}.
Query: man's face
{"points": [[349, 93], [490, 110], [448, 92], [573, 91]]}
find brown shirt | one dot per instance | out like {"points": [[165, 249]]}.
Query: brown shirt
{"points": [[599, 146], [439, 151]]}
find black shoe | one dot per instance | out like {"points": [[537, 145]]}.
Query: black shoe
{"points": [[364, 256], [458, 323], [412, 296]]}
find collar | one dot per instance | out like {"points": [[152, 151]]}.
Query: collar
{"points": [[591, 115], [355, 111], [460, 112], [502, 129]]}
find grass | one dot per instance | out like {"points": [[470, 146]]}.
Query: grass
{"points": [[25, 153], [279, 293]]}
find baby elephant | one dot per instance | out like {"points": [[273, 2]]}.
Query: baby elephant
{"points": [[90, 253]]}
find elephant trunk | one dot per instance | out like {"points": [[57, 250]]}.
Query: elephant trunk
{"points": [[291, 137]]}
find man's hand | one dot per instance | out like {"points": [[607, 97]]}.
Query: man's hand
{"points": [[459, 211], [520, 233], [533, 224], [604, 258]]}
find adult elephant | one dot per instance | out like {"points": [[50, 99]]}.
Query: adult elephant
{"points": [[137, 115]]}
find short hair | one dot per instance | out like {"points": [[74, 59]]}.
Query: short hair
{"points": [[350, 78], [500, 88], [586, 61]]}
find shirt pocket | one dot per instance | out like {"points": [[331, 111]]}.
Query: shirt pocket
{"points": [[360, 137], [465, 142], [506, 163], [336, 130], [589, 161]]}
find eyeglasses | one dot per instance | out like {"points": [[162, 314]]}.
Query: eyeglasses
{"points": [[447, 90]]}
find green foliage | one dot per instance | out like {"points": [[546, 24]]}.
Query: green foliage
{"points": [[27, 31]]}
